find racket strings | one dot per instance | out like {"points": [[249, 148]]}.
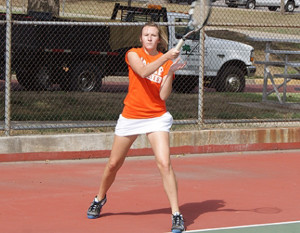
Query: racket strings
{"points": [[199, 13]]}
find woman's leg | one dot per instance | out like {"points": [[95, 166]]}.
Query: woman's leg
{"points": [[120, 148], [160, 145]]}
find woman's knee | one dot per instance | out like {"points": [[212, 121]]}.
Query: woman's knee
{"points": [[164, 165], [114, 165]]}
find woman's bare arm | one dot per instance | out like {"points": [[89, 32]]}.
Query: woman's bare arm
{"points": [[145, 70]]}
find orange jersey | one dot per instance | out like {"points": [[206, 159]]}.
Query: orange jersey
{"points": [[143, 100]]}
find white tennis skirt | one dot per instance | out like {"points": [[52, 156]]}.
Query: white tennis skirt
{"points": [[127, 127]]}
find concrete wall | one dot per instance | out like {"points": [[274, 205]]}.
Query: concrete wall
{"points": [[83, 146]]}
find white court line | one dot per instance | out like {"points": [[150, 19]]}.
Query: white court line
{"points": [[245, 226]]}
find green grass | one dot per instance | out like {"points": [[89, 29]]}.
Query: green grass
{"points": [[61, 106], [227, 106], [97, 106]]}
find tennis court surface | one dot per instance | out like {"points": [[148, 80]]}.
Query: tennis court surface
{"points": [[219, 193]]}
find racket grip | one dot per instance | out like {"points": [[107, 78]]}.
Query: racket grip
{"points": [[179, 44]]}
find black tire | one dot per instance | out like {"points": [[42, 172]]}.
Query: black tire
{"points": [[250, 4], [184, 84], [232, 79], [35, 79], [43, 78], [84, 77], [272, 8], [290, 6], [24, 77]]}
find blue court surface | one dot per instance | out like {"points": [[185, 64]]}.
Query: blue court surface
{"points": [[282, 227]]}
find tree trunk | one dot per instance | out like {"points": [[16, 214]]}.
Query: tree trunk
{"points": [[50, 6], [282, 10]]}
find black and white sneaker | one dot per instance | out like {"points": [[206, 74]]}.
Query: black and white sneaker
{"points": [[95, 208], [177, 223]]}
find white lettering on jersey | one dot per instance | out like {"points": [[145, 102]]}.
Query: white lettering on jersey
{"points": [[156, 76]]}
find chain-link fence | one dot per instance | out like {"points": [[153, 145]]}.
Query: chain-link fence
{"points": [[64, 67]]}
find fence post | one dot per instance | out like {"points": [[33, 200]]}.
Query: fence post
{"points": [[201, 76], [8, 68]]}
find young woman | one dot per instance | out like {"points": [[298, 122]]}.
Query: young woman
{"points": [[150, 83]]}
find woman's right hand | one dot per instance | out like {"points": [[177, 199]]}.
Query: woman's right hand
{"points": [[172, 54]]}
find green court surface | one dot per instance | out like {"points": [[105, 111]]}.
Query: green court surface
{"points": [[283, 227]]}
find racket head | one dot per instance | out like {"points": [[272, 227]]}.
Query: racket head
{"points": [[199, 12]]}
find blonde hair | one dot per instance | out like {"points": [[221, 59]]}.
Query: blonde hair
{"points": [[162, 45]]}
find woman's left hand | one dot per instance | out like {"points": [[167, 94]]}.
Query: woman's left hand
{"points": [[177, 65]]}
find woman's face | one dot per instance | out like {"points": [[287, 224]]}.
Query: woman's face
{"points": [[150, 37]]}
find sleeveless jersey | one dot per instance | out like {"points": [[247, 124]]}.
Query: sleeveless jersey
{"points": [[143, 100]]}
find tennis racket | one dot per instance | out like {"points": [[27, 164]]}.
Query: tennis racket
{"points": [[199, 14]]}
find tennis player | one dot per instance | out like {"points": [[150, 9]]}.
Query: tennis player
{"points": [[151, 73]]}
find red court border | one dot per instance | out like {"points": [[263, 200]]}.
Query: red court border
{"points": [[37, 156]]}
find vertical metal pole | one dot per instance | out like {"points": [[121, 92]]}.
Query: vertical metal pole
{"points": [[286, 59], [266, 72], [7, 68], [201, 76]]}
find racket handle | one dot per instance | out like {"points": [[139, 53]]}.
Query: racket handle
{"points": [[179, 44]]}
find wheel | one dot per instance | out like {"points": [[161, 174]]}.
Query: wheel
{"points": [[85, 77], [24, 78], [232, 79], [290, 6], [272, 8], [35, 79], [43, 78], [250, 4], [184, 84]]}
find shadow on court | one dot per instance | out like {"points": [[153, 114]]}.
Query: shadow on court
{"points": [[192, 210], [196, 209]]}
